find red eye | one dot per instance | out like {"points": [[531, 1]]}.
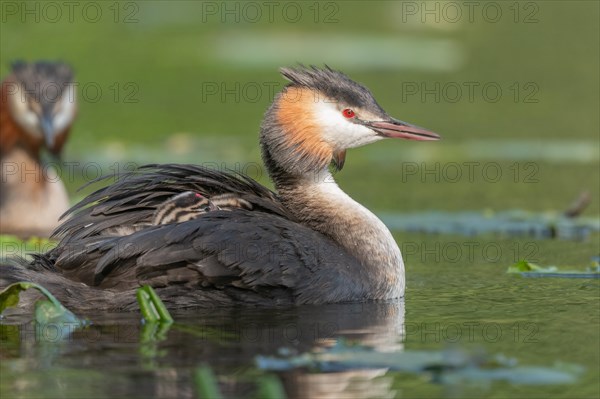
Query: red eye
{"points": [[348, 113]]}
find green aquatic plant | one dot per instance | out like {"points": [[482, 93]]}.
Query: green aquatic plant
{"points": [[205, 381], [157, 322], [152, 308], [270, 387], [528, 269], [47, 311], [507, 223], [51, 310], [444, 366]]}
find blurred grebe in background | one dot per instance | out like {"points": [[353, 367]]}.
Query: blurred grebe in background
{"points": [[37, 109]]}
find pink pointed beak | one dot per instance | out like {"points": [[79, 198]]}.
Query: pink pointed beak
{"points": [[394, 128]]}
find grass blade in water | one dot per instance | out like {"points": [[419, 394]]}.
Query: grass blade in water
{"points": [[206, 384], [152, 308]]}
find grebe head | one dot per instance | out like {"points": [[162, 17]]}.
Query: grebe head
{"points": [[42, 100], [318, 116]]}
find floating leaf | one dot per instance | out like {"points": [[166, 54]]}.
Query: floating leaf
{"points": [[516, 375], [9, 297], [152, 308], [48, 311], [524, 266], [509, 223], [448, 366], [528, 269]]}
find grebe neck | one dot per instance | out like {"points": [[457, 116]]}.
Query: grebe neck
{"points": [[319, 203]]}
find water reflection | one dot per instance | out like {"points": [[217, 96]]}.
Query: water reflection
{"points": [[150, 361], [343, 384]]}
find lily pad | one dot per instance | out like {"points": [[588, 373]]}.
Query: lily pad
{"points": [[449, 366], [48, 311], [509, 223], [528, 269]]}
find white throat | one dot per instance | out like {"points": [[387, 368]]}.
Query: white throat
{"points": [[322, 205]]}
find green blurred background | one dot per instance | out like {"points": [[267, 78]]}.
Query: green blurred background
{"points": [[147, 74]]}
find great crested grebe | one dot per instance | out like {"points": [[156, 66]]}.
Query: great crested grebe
{"points": [[204, 238], [37, 109]]}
